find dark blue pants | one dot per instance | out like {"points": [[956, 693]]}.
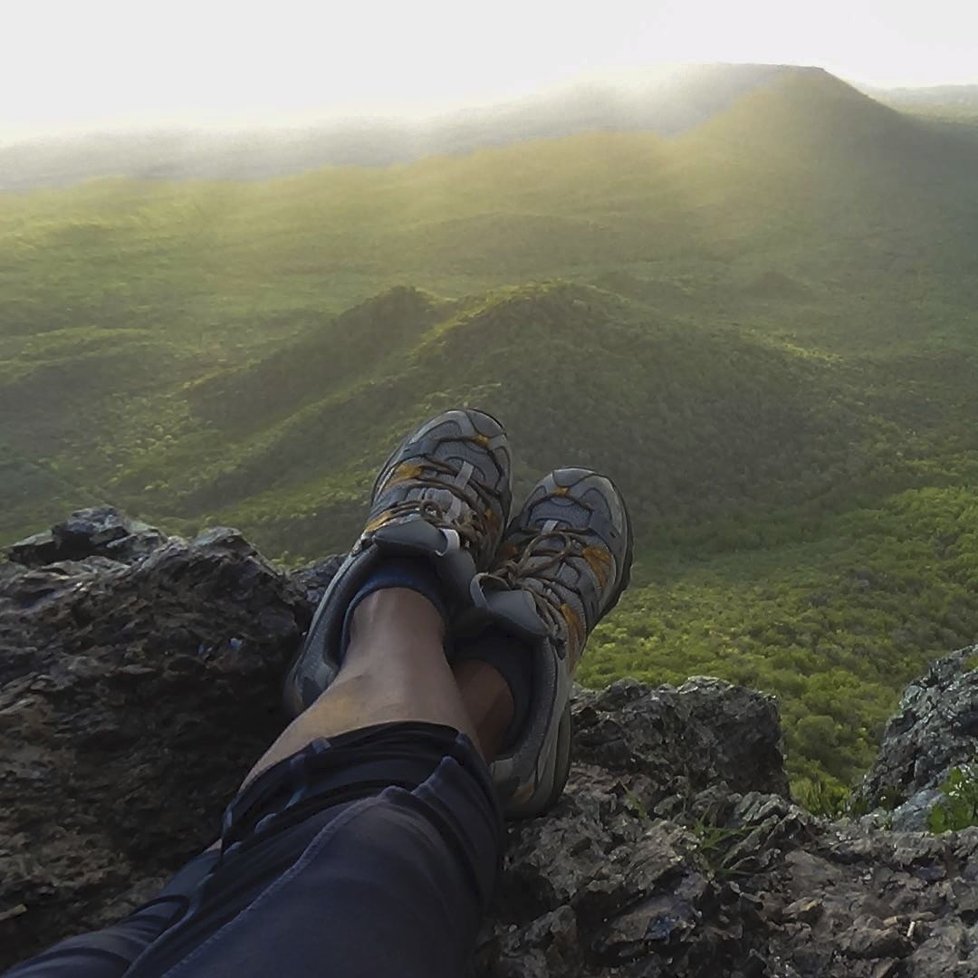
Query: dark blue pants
{"points": [[370, 854]]}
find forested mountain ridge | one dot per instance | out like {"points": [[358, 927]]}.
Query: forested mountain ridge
{"points": [[762, 327]]}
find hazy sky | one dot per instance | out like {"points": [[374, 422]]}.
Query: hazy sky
{"points": [[92, 63]]}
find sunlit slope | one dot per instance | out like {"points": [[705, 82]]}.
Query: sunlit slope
{"points": [[814, 146], [848, 201], [658, 100]]}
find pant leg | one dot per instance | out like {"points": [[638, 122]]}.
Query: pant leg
{"points": [[107, 953], [370, 854], [394, 883]]}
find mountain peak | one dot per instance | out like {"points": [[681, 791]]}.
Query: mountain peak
{"points": [[804, 111]]}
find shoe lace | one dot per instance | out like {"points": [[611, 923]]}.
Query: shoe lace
{"points": [[471, 525], [530, 565]]}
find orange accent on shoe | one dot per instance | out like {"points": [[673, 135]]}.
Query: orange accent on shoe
{"points": [[402, 473], [507, 551], [576, 633], [377, 522], [599, 560]]}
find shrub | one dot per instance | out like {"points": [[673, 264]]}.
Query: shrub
{"points": [[959, 810]]}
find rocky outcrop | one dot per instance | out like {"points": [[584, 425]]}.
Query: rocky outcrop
{"points": [[934, 730], [652, 870], [139, 679]]}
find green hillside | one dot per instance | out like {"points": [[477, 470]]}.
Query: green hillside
{"points": [[763, 328]]}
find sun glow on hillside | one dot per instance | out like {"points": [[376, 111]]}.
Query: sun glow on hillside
{"points": [[114, 63]]}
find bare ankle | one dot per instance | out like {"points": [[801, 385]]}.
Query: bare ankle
{"points": [[488, 701], [405, 613]]}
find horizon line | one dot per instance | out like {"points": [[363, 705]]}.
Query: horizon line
{"points": [[409, 117]]}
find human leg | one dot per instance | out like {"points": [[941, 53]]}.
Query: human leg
{"points": [[368, 837], [394, 669], [387, 857], [371, 854], [383, 757]]}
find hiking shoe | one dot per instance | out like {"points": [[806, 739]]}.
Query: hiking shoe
{"points": [[443, 495], [563, 564]]}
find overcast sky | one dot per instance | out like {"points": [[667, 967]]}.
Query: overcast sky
{"points": [[78, 64]]}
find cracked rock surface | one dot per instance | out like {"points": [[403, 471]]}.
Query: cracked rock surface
{"points": [[139, 679]]}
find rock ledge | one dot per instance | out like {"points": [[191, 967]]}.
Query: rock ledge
{"points": [[139, 680]]}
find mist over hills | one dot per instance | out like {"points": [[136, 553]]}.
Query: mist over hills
{"points": [[665, 101], [953, 101], [761, 323]]}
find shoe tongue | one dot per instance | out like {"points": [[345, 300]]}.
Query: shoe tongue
{"points": [[519, 610]]}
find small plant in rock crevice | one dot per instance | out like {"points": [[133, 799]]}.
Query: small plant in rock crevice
{"points": [[959, 810]]}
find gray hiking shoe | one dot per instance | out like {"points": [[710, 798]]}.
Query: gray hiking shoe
{"points": [[563, 564], [443, 495]]}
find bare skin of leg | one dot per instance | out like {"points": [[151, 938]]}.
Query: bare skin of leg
{"points": [[395, 669]]}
